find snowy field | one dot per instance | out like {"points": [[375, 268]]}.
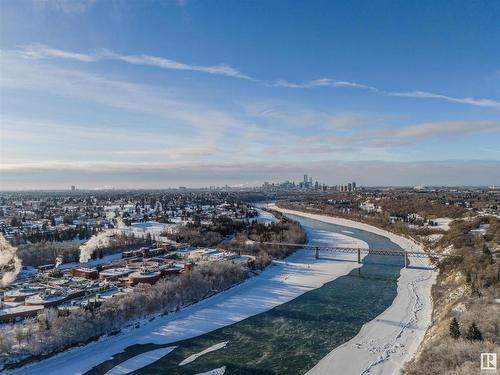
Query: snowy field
{"points": [[384, 344], [279, 283]]}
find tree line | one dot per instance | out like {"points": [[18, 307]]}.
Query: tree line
{"points": [[52, 332]]}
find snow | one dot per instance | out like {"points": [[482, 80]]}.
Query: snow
{"points": [[481, 230], [18, 309], [434, 237], [93, 262], [147, 225], [384, 344], [39, 299], [140, 361], [275, 285], [215, 371], [195, 356], [115, 272], [266, 217], [442, 223], [347, 231], [145, 274]]}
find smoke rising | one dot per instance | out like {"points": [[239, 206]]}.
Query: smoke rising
{"points": [[100, 240], [10, 264]]}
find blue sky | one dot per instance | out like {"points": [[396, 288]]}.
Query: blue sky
{"points": [[162, 94]]}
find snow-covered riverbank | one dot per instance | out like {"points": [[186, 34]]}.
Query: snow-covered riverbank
{"points": [[384, 344], [279, 283]]}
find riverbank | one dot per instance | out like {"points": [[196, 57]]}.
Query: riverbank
{"points": [[384, 344], [278, 284]]}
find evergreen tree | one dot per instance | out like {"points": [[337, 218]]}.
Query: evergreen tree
{"points": [[455, 329], [473, 333], [15, 222]]}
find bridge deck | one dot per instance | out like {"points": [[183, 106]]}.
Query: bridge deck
{"points": [[355, 250]]}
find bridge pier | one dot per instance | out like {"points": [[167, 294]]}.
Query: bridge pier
{"points": [[359, 255], [316, 252]]}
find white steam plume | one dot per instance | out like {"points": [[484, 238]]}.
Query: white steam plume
{"points": [[100, 240], [10, 264]]}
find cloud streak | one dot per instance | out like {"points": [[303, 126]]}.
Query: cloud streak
{"points": [[323, 82], [40, 51], [428, 95], [328, 82]]}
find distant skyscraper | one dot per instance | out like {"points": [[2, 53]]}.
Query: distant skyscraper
{"points": [[73, 187], [349, 186], [354, 186], [305, 180]]}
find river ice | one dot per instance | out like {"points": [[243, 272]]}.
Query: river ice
{"points": [[279, 283], [139, 361], [384, 344], [194, 357]]}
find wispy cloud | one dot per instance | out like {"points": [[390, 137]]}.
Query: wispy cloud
{"points": [[25, 137], [328, 82], [323, 82], [40, 51], [383, 140], [196, 150], [447, 128], [282, 114], [67, 6], [182, 135], [429, 95], [129, 96], [223, 69]]}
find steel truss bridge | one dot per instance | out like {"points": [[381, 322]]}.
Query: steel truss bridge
{"points": [[358, 250]]}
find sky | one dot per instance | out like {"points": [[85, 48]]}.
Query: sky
{"points": [[158, 94]]}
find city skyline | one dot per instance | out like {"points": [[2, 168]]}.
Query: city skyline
{"points": [[188, 95]]}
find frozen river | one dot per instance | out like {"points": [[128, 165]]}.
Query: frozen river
{"points": [[292, 337]]}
